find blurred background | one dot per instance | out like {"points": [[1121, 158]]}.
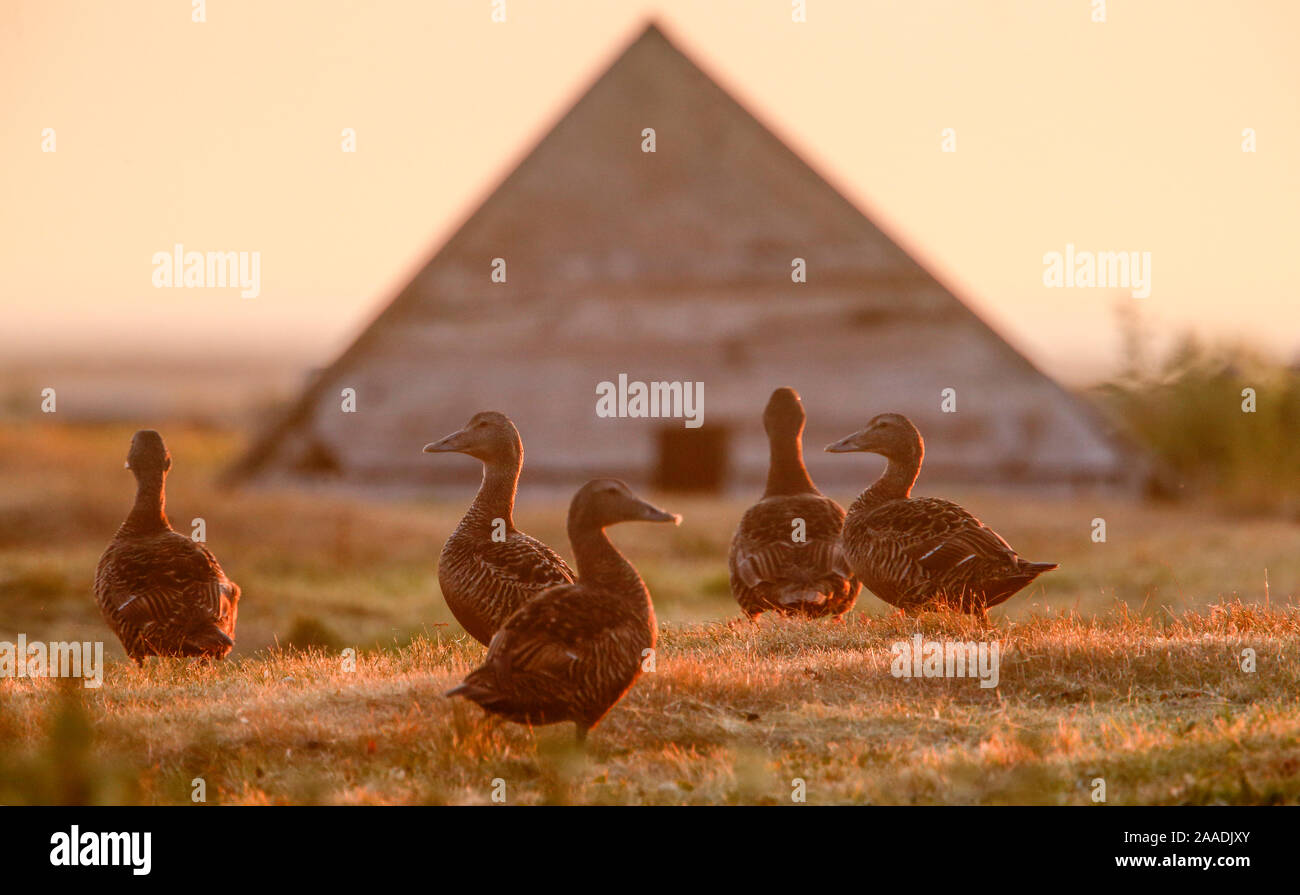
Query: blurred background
{"points": [[226, 135]]}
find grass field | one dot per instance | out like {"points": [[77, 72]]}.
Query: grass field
{"points": [[1124, 665]]}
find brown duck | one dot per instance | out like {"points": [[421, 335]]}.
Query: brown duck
{"points": [[162, 593], [786, 555], [916, 551], [571, 652], [488, 568]]}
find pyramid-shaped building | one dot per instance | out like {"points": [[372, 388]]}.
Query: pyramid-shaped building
{"points": [[675, 265]]}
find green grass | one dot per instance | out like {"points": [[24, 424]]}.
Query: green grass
{"points": [[1123, 665]]}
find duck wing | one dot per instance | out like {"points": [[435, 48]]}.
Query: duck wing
{"points": [[764, 549], [525, 561], [940, 536], [551, 633], [170, 595], [567, 654], [485, 581], [771, 570]]}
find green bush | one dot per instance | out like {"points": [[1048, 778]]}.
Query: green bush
{"points": [[1189, 412]]}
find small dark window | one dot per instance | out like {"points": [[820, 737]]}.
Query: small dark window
{"points": [[691, 459]]}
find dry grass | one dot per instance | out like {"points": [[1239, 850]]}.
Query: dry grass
{"points": [[1124, 665], [733, 714]]}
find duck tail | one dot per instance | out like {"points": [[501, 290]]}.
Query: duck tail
{"points": [[798, 594], [488, 698], [1039, 568], [474, 691]]}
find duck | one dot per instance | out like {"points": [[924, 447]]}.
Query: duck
{"points": [[573, 651], [162, 593], [786, 554], [915, 552], [488, 568]]}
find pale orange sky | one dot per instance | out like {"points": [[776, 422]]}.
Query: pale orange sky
{"points": [[225, 136]]}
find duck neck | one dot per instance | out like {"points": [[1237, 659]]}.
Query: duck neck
{"points": [[496, 495], [147, 515], [895, 483], [786, 473], [600, 563]]}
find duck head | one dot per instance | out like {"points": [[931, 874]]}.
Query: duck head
{"points": [[488, 436], [148, 457], [603, 502], [891, 435], [784, 415]]}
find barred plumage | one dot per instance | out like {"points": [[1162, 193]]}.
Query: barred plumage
{"points": [[785, 555], [160, 592], [571, 652], [488, 568], [913, 552]]}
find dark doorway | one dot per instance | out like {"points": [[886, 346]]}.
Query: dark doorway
{"points": [[691, 459]]}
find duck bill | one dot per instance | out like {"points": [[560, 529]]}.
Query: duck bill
{"points": [[651, 513], [453, 444], [847, 445]]}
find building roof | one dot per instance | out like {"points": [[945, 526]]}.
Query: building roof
{"points": [[676, 266]]}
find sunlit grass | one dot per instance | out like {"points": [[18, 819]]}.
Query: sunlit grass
{"points": [[734, 713], [1124, 665]]}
